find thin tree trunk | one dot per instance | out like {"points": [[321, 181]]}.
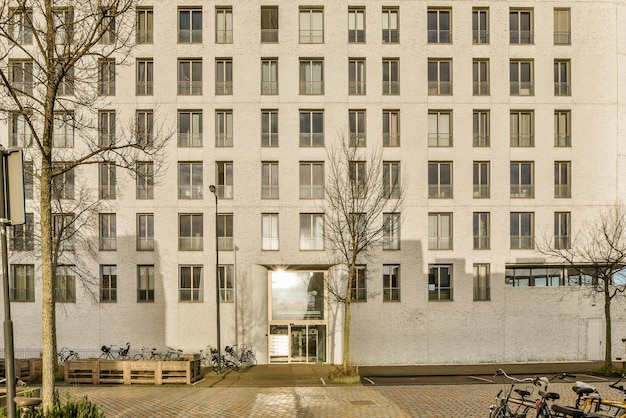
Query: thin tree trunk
{"points": [[608, 360]]}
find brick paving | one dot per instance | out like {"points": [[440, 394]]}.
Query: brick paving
{"points": [[428, 401]]}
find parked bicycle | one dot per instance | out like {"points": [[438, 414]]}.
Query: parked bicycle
{"points": [[546, 408], [124, 352], [172, 354], [144, 354], [66, 354], [507, 404], [222, 363], [591, 403], [245, 357], [120, 354], [107, 354]]}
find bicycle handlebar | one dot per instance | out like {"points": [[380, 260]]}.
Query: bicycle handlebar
{"points": [[501, 372], [615, 386]]}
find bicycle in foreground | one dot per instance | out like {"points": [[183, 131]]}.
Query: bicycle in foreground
{"points": [[512, 402], [220, 364], [593, 404], [245, 357]]}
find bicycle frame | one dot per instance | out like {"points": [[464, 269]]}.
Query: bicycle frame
{"points": [[504, 405], [590, 401]]}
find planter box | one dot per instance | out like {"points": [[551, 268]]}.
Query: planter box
{"points": [[127, 372], [25, 368]]}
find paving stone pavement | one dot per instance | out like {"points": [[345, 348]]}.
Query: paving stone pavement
{"points": [[428, 401]]}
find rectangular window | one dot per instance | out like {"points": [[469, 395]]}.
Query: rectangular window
{"points": [[562, 234], [439, 77], [190, 25], [391, 231], [391, 179], [562, 86], [108, 283], [223, 76], [562, 28], [145, 283], [223, 128], [358, 179], [439, 231], [440, 282], [562, 128], [311, 231], [541, 277], [481, 128], [481, 230], [189, 128], [562, 179], [145, 77], [521, 26], [223, 25], [106, 128], [356, 76], [311, 26], [107, 25], [145, 232], [269, 128], [21, 25], [269, 24], [29, 182], [189, 77], [356, 25], [145, 26], [65, 284], [358, 284], [269, 76], [481, 179], [391, 128], [190, 232], [521, 77], [21, 76], [391, 76], [482, 285], [439, 26], [108, 181], [522, 230], [311, 128], [522, 128], [145, 180], [269, 180], [21, 133], [391, 25], [63, 183], [145, 128], [190, 180], [311, 76], [269, 231], [22, 283], [311, 180], [522, 179], [227, 282], [440, 180], [66, 87], [106, 77], [224, 179], [480, 72], [480, 26], [225, 237], [22, 236], [63, 134], [439, 128], [391, 282], [357, 122], [190, 284]]}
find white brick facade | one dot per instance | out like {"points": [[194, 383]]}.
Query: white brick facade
{"points": [[514, 324]]}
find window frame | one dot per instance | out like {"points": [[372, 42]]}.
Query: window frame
{"points": [[145, 232], [225, 232], [107, 184], [562, 179], [440, 76], [313, 137], [224, 128], [189, 76], [562, 128], [65, 284], [480, 74], [311, 33], [438, 188], [391, 282], [481, 127], [106, 128], [518, 33], [269, 34], [391, 25], [190, 180], [227, 282], [391, 119], [224, 76], [190, 232], [22, 283], [192, 139], [20, 132], [480, 25], [269, 180], [358, 284], [391, 76], [314, 224], [106, 77], [436, 31], [63, 135], [22, 236], [144, 127], [269, 128], [482, 281], [356, 25], [311, 179], [108, 283], [144, 180], [562, 77], [357, 127], [145, 77], [522, 78], [145, 283], [562, 230], [21, 75], [269, 76], [191, 287], [224, 179], [391, 231], [481, 226], [481, 179], [311, 81], [356, 77], [440, 231], [20, 21], [522, 178], [144, 33], [562, 26], [525, 237], [437, 291], [193, 34], [270, 232], [438, 122], [522, 128], [223, 25], [391, 179]]}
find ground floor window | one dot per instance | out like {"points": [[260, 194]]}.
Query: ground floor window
{"points": [[297, 343]]}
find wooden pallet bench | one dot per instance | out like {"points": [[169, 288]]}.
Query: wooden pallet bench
{"points": [[128, 372]]}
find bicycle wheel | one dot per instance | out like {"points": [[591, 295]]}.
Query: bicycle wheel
{"points": [[214, 365], [499, 412], [139, 356], [73, 356]]}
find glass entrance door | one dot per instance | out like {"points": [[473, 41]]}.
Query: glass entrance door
{"points": [[307, 343]]}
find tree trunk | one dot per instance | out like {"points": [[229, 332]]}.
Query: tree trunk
{"points": [[608, 358], [346, 321]]}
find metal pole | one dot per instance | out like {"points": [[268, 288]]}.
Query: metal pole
{"points": [[217, 285], [9, 353], [236, 301]]}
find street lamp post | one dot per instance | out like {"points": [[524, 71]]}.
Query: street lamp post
{"points": [[217, 285]]}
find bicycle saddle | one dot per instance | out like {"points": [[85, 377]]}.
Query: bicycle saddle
{"points": [[568, 411], [549, 395], [523, 393]]}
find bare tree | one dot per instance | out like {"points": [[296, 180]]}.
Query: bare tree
{"points": [[57, 68], [597, 253], [360, 190]]}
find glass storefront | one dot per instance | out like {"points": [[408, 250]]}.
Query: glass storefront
{"points": [[297, 318]]}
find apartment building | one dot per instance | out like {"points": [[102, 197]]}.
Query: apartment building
{"points": [[503, 120]]}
